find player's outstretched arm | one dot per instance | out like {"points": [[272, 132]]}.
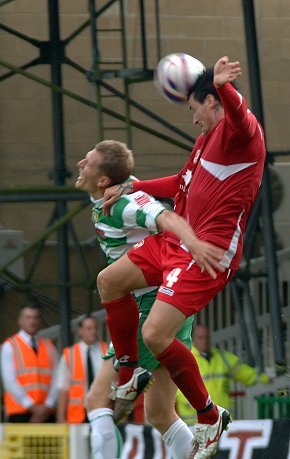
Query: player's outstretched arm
{"points": [[164, 187], [206, 255]]}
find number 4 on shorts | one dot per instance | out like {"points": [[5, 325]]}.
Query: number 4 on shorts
{"points": [[172, 277]]}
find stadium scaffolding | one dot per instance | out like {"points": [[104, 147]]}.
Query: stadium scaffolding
{"points": [[53, 53]]}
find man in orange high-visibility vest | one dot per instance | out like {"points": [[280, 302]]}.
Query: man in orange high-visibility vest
{"points": [[28, 368], [77, 368]]}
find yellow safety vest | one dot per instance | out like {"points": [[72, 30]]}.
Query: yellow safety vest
{"points": [[217, 374]]}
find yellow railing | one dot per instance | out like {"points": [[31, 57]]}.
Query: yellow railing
{"points": [[35, 441]]}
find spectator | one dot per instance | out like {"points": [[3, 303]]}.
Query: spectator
{"points": [[217, 369], [28, 367], [78, 366]]}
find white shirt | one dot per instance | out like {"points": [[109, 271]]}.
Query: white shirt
{"points": [[10, 382], [64, 376]]}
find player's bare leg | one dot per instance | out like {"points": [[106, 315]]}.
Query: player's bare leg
{"points": [[161, 326], [115, 284], [160, 413], [106, 440], [159, 335], [99, 395], [120, 278]]}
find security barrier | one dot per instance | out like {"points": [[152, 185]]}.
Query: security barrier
{"points": [[256, 439], [35, 441], [272, 407]]}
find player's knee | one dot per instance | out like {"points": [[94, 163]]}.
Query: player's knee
{"points": [[156, 338], [146, 335], [151, 338], [104, 282]]}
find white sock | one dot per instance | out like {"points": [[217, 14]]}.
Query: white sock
{"points": [[178, 440], [106, 440]]}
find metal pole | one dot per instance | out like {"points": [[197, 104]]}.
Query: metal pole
{"points": [[268, 227], [60, 172], [126, 81], [251, 229], [253, 327], [240, 312], [96, 66], [143, 34], [158, 32]]}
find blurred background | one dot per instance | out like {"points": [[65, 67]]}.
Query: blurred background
{"points": [[74, 73]]}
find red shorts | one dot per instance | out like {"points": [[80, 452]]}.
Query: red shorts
{"points": [[181, 281]]}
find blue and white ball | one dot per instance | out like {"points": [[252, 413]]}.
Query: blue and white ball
{"points": [[175, 74]]}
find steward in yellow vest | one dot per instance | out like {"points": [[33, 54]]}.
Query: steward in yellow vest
{"points": [[217, 369]]}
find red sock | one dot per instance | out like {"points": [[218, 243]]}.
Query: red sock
{"points": [[184, 371], [210, 416], [123, 321]]}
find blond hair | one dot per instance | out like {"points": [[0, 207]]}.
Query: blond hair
{"points": [[118, 161]]}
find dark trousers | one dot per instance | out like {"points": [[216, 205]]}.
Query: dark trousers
{"points": [[25, 417]]}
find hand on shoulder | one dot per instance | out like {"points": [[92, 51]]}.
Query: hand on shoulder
{"points": [[113, 193]]}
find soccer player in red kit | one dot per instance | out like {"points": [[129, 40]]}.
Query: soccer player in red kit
{"points": [[214, 192]]}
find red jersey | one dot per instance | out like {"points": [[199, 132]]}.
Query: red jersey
{"points": [[216, 189]]}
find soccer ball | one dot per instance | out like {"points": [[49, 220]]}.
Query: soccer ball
{"points": [[176, 74]]}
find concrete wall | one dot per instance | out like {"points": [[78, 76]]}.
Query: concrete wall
{"points": [[204, 28]]}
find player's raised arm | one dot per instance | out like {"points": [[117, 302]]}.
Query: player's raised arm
{"points": [[237, 115]]}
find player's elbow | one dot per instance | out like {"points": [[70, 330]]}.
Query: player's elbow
{"points": [[164, 219]]}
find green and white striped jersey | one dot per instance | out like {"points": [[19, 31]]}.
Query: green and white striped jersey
{"points": [[132, 218]]}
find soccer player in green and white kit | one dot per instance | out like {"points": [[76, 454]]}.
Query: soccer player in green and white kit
{"points": [[131, 219]]}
